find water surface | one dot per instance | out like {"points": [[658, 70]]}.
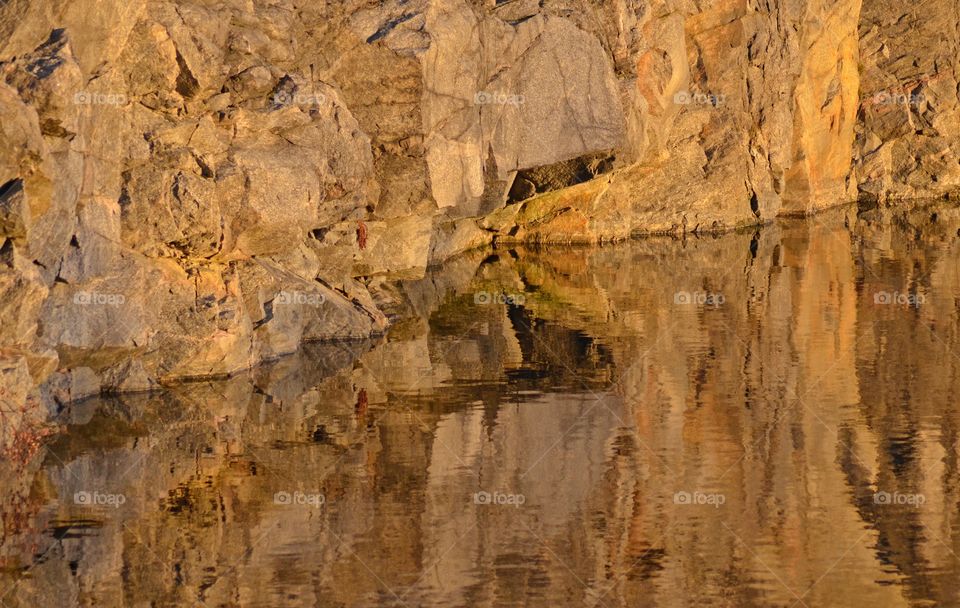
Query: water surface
{"points": [[761, 419]]}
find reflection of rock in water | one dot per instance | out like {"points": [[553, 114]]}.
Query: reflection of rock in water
{"points": [[598, 396]]}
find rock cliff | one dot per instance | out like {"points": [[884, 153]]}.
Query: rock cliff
{"points": [[190, 188]]}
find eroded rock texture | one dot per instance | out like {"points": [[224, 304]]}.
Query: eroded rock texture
{"points": [[908, 142], [167, 172], [189, 188]]}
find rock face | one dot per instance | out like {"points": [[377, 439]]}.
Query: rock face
{"points": [[163, 191], [191, 187], [908, 140]]}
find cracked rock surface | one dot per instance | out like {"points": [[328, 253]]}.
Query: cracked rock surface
{"points": [[190, 188]]}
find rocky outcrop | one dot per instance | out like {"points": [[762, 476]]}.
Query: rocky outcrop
{"points": [[163, 193], [190, 188], [908, 140]]}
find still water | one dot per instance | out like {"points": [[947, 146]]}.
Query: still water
{"points": [[767, 418]]}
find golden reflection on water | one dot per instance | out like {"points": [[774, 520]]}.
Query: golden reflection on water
{"points": [[759, 419]]}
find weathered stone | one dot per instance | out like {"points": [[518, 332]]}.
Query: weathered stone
{"points": [[522, 189], [22, 293], [908, 140], [455, 237], [188, 188], [14, 212], [826, 98], [398, 246]]}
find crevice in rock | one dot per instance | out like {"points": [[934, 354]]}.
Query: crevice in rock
{"points": [[6, 252], [187, 84], [48, 59], [387, 27], [10, 189], [52, 127], [12, 223], [516, 22], [206, 171], [285, 92], [494, 190], [267, 316], [557, 176]]}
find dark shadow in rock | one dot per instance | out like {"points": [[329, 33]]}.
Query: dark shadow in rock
{"points": [[558, 176]]}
